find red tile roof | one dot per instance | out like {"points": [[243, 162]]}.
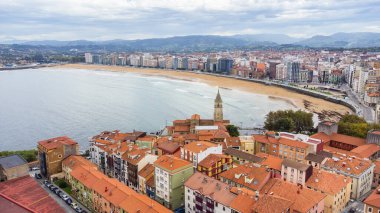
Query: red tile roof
{"points": [[367, 150], [374, 198], [304, 199], [171, 163], [27, 192], [53, 143], [247, 175]]}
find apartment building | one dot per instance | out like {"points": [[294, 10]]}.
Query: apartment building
{"points": [[337, 189], [371, 203], [214, 164], [196, 151], [248, 176], [170, 175], [51, 153], [206, 194], [99, 193], [295, 172], [305, 200], [359, 170]]}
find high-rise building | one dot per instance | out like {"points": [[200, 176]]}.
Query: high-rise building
{"points": [[225, 65], [88, 58]]}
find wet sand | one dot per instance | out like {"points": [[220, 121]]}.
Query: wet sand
{"points": [[325, 109]]}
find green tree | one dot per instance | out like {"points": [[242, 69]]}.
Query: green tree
{"points": [[356, 126], [289, 120], [233, 130]]}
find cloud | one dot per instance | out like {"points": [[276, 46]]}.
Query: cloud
{"points": [[132, 19]]}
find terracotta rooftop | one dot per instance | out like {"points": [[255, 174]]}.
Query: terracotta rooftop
{"points": [[199, 146], [321, 180], [293, 143], [233, 141], [168, 146], [8, 205], [264, 203], [210, 187], [315, 158], [243, 155], [54, 143], [374, 198], [28, 193], [339, 138], [211, 159], [171, 163], [295, 164], [338, 152], [111, 189], [367, 150], [247, 175], [349, 165], [146, 170], [304, 199], [270, 161]]}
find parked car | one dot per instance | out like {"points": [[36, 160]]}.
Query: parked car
{"points": [[57, 191], [69, 201], [46, 182], [79, 209], [52, 188], [35, 169], [37, 176], [64, 197], [74, 205]]}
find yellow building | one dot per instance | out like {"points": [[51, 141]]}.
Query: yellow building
{"points": [[247, 144], [337, 189], [51, 153]]}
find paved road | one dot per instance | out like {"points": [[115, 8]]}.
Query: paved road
{"points": [[61, 202], [366, 112]]}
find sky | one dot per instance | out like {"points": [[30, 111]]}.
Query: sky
{"points": [[139, 19]]}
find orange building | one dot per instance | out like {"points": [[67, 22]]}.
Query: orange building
{"points": [[214, 164]]}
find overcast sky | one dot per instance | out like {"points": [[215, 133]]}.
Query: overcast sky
{"points": [[134, 19]]}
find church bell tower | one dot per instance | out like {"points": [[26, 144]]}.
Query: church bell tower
{"points": [[218, 108]]}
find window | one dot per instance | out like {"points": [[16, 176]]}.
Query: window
{"points": [[224, 208], [369, 209]]}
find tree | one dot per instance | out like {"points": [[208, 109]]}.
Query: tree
{"points": [[356, 126], [232, 130], [289, 120]]}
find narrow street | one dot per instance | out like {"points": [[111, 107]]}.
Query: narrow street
{"points": [[366, 112]]}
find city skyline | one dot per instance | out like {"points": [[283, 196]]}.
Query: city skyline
{"points": [[105, 20]]}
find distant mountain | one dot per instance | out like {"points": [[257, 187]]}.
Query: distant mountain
{"points": [[212, 42], [343, 40], [275, 38]]}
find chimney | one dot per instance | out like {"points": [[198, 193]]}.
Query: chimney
{"points": [[257, 196], [106, 189]]}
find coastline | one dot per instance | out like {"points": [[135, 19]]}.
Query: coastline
{"points": [[323, 108]]}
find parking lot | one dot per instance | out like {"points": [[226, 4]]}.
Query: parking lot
{"points": [[63, 199]]}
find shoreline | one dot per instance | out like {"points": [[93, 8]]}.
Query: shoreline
{"points": [[323, 108]]}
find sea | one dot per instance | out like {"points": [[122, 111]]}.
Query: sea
{"points": [[37, 104]]}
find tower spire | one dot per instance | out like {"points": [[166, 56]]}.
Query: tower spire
{"points": [[218, 107]]}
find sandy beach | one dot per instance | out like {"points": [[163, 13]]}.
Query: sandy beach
{"points": [[325, 109]]}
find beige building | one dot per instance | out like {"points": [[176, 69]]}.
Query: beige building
{"points": [[295, 172], [247, 144], [12, 167], [371, 203], [359, 170], [337, 189], [51, 153]]}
